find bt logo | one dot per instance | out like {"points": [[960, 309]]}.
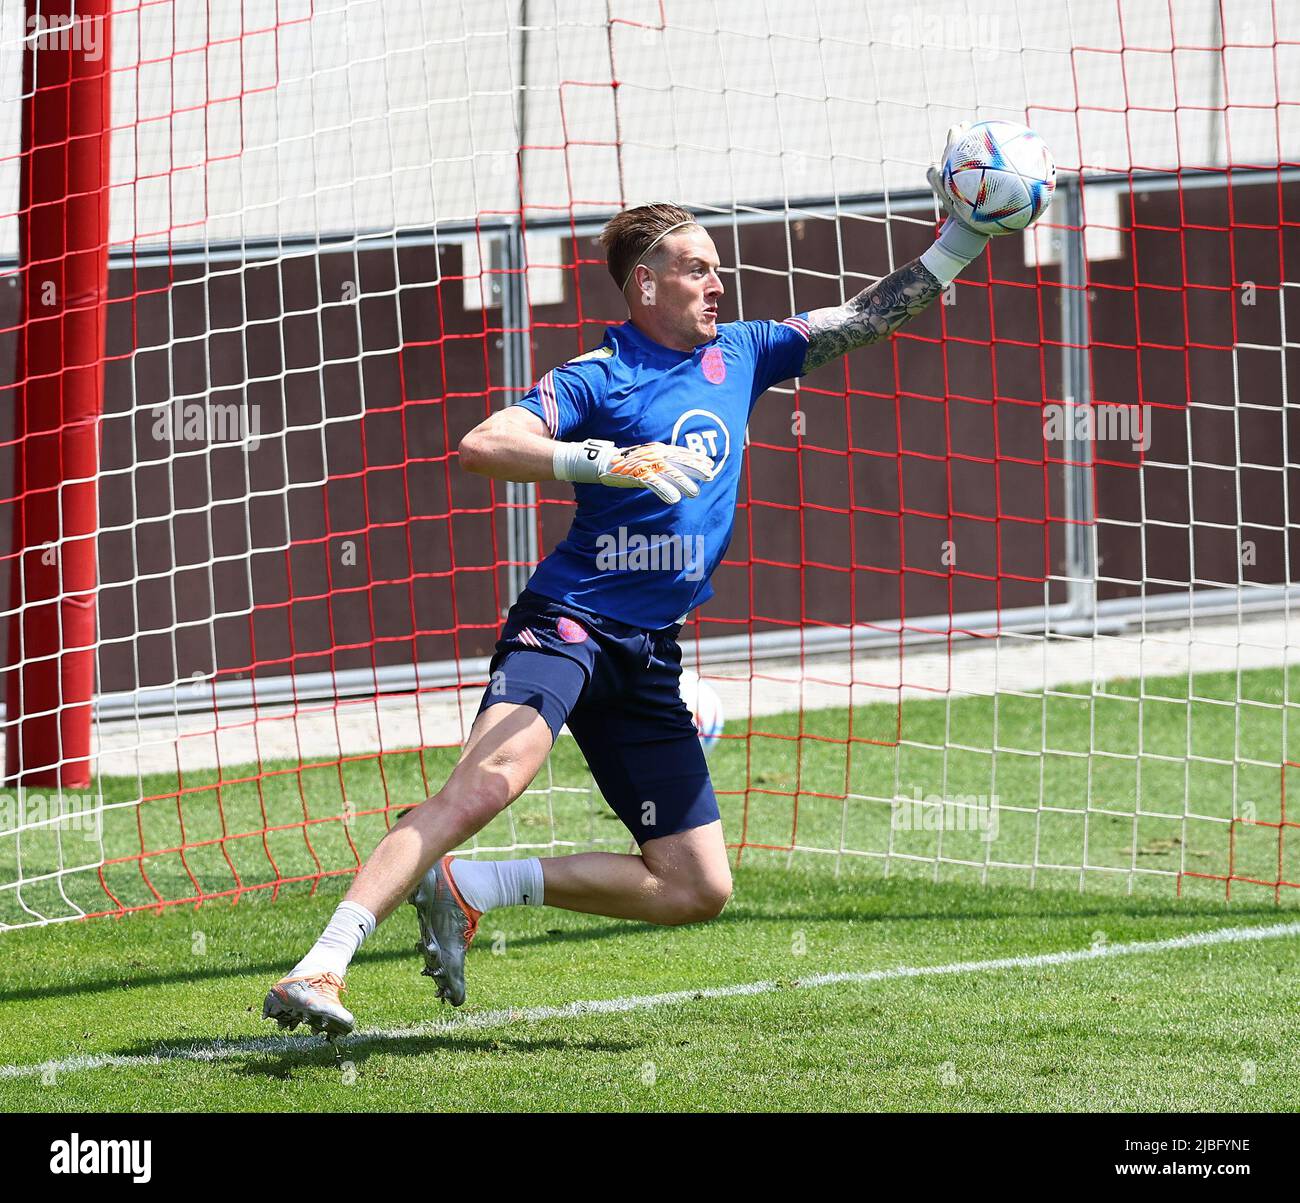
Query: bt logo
{"points": [[710, 436], [702, 440]]}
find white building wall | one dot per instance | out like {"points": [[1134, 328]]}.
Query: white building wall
{"points": [[372, 115]]}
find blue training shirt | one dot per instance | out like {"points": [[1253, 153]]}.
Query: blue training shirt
{"points": [[627, 555]]}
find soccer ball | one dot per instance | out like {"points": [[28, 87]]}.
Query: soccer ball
{"points": [[999, 176], [705, 707]]}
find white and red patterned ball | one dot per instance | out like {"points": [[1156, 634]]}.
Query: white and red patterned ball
{"points": [[705, 706], [999, 176]]}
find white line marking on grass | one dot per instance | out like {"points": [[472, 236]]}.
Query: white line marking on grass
{"points": [[221, 1050]]}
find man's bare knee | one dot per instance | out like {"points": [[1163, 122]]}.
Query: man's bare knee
{"points": [[481, 794], [498, 762], [696, 902]]}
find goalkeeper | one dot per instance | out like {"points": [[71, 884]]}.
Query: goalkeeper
{"points": [[650, 428]]}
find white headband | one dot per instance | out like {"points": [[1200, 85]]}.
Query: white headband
{"points": [[651, 247]]}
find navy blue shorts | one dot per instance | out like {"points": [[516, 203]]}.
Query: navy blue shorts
{"points": [[616, 686]]}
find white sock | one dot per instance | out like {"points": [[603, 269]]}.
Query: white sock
{"points": [[486, 884], [338, 943]]}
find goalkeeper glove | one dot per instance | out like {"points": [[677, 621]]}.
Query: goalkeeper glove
{"points": [[958, 244], [668, 472]]}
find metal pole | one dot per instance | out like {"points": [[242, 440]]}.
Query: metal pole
{"points": [[521, 497], [516, 339], [1076, 390]]}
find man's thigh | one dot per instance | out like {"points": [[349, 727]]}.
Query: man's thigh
{"points": [[505, 750], [528, 696], [545, 681]]}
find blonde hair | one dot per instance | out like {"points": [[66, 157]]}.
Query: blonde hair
{"points": [[628, 237]]}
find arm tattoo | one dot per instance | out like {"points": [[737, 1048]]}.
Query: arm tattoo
{"points": [[875, 313]]}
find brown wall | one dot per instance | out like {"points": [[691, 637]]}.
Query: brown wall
{"points": [[933, 436]]}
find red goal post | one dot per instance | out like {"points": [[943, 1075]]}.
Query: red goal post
{"points": [[62, 283]]}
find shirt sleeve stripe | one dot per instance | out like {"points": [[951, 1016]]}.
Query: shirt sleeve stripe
{"points": [[550, 411], [798, 323]]}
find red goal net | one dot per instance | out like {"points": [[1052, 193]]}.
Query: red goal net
{"points": [[1008, 595]]}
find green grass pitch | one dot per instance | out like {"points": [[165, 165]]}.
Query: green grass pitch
{"points": [[162, 1011]]}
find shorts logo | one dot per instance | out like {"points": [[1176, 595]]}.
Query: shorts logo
{"points": [[714, 366], [570, 631]]}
